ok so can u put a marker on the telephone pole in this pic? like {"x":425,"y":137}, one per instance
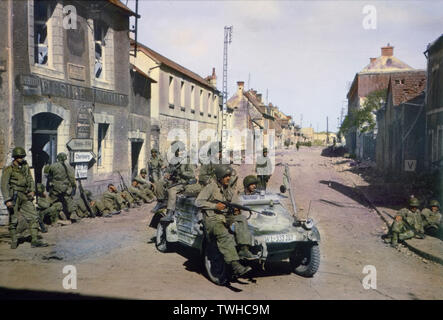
{"x":227,"y":41}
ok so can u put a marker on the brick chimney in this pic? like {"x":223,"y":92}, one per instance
{"x":371,"y":60}
{"x":240,"y":87}
{"x":213,"y":78}
{"x":387,"y":51}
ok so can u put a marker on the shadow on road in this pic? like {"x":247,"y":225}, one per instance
{"x":21,"y":294}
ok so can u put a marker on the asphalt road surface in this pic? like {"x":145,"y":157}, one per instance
{"x":114,"y":257}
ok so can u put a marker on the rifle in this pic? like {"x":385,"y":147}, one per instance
{"x":125,"y":187}
{"x":232,"y":206}
{"x":14,"y":203}
{"x":85,"y":199}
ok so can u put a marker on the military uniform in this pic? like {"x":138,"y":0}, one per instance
{"x":155,"y":166}
{"x":145,"y":187}
{"x":217,"y":223}
{"x":264,"y":170}
{"x":139,"y":195}
{"x":409,"y":226}
{"x":82,"y":209}
{"x":432,"y":220}
{"x":113,"y":202}
{"x":61,"y":182}
{"x":47,"y":207}
{"x":17,"y":185}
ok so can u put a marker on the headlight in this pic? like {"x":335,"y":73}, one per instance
{"x":308,"y":224}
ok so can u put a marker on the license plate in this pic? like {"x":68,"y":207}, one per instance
{"x":280,"y":238}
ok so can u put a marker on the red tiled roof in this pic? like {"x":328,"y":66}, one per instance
{"x":171,"y":64}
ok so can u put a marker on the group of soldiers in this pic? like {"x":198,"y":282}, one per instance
{"x":412,"y":222}
{"x":55,"y":202}
{"x":214,"y":190}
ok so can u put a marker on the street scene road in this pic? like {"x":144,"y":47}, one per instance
{"x":116,"y":258}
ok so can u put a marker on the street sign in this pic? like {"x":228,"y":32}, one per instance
{"x":81,"y":171}
{"x":82,"y":156}
{"x":80,"y":144}
{"x":410,"y":165}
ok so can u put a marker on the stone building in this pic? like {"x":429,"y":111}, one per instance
{"x":375,"y":76}
{"x":434,"y":107}
{"x":181,"y":100}
{"x":400,"y":138}
{"x":65,"y":74}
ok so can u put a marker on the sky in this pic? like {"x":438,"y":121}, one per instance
{"x":304,"y":53}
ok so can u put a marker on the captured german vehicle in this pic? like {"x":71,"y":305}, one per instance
{"x":277,"y":234}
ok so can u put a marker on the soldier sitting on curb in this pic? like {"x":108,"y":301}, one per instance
{"x":407,"y":224}
{"x":47,"y":207}
{"x":432,"y":218}
{"x":139,"y":195}
{"x":112,"y":201}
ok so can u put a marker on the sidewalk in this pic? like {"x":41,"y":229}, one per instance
{"x":384,"y":199}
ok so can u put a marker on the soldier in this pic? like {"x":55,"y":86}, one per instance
{"x":217,"y":220}
{"x":250,"y":185}
{"x":407,"y":224}
{"x":297,"y":145}
{"x":47,"y":207}
{"x":432,"y":218}
{"x":138,"y":194}
{"x":82,"y":209}
{"x":144,"y":185}
{"x":112,"y":201}
{"x":155,"y":166}
{"x":287,"y":143}
{"x":180,"y":178}
{"x":207,"y":171}
{"x":62,"y":186}
{"x":18,"y":191}
{"x":263,"y":169}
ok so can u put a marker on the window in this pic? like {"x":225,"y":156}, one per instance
{"x":192,"y":97}
{"x":201,"y":101}
{"x":99,"y":48}
{"x":182,"y":94}
{"x":42,"y":13}
{"x":171,"y":90}
{"x":209,"y":104}
{"x":102,"y":130}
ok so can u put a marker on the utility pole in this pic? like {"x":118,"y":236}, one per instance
{"x":327,"y":131}
{"x":227,"y":41}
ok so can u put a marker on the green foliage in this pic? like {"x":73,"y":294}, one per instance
{"x":363,"y":119}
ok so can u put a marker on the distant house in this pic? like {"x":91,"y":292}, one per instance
{"x":434,"y":107}
{"x":375,"y":76}
{"x":401,"y":125}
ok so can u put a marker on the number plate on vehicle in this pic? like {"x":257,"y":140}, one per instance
{"x":280,"y":238}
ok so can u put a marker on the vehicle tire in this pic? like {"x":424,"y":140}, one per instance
{"x":305,"y":260}
{"x":160,"y":240}
{"x":215,"y":266}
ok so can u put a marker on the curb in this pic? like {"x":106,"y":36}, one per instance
{"x":419,"y":252}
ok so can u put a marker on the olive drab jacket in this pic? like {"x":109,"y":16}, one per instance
{"x":155,"y":164}
{"x":61,"y":177}
{"x":413,"y":219}
{"x":16,"y":178}
{"x":181,"y":172}
{"x":264,"y":166}
{"x":430,"y":217}
{"x":211,"y":194}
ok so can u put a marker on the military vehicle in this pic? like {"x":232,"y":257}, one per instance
{"x":277,"y":234}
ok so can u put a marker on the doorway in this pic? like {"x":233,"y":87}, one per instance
{"x":44,"y":141}
{"x":136,"y":146}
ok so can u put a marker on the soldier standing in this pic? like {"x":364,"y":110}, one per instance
{"x":62,"y":186}
{"x":407,"y":223}
{"x":297,"y":145}
{"x":18,"y":190}
{"x":432,"y":218}
{"x":180,"y":178}
{"x":155,"y":166}
{"x":217,"y":220}
{"x":263,"y":169}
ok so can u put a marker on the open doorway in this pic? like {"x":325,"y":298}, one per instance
{"x":136,"y":146}
{"x":44,"y":141}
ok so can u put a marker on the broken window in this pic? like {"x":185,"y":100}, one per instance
{"x":99,"y":48}
{"x":42,"y":13}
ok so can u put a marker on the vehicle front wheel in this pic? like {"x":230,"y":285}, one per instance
{"x":160,"y":240}
{"x":305,"y":260}
{"x":215,"y":266}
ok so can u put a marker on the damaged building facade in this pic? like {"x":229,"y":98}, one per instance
{"x":65,"y":74}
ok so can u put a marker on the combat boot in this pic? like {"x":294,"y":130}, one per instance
{"x":394,"y":240}
{"x":245,"y":254}
{"x":35,"y":243}
{"x":42,"y":225}
{"x":169,"y":216}
{"x":238,"y":269}
{"x":14,"y":240}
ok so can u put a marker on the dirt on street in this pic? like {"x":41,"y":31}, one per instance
{"x":115,"y":257}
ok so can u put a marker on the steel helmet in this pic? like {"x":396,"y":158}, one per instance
{"x":248,"y":180}
{"x":413,"y":202}
{"x":18,"y":152}
{"x":143,"y":171}
{"x":434,"y":203}
{"x":222,"y":171}
{"x":62,"y":156}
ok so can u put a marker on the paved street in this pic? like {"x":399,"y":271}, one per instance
{"x":114,"y":259}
